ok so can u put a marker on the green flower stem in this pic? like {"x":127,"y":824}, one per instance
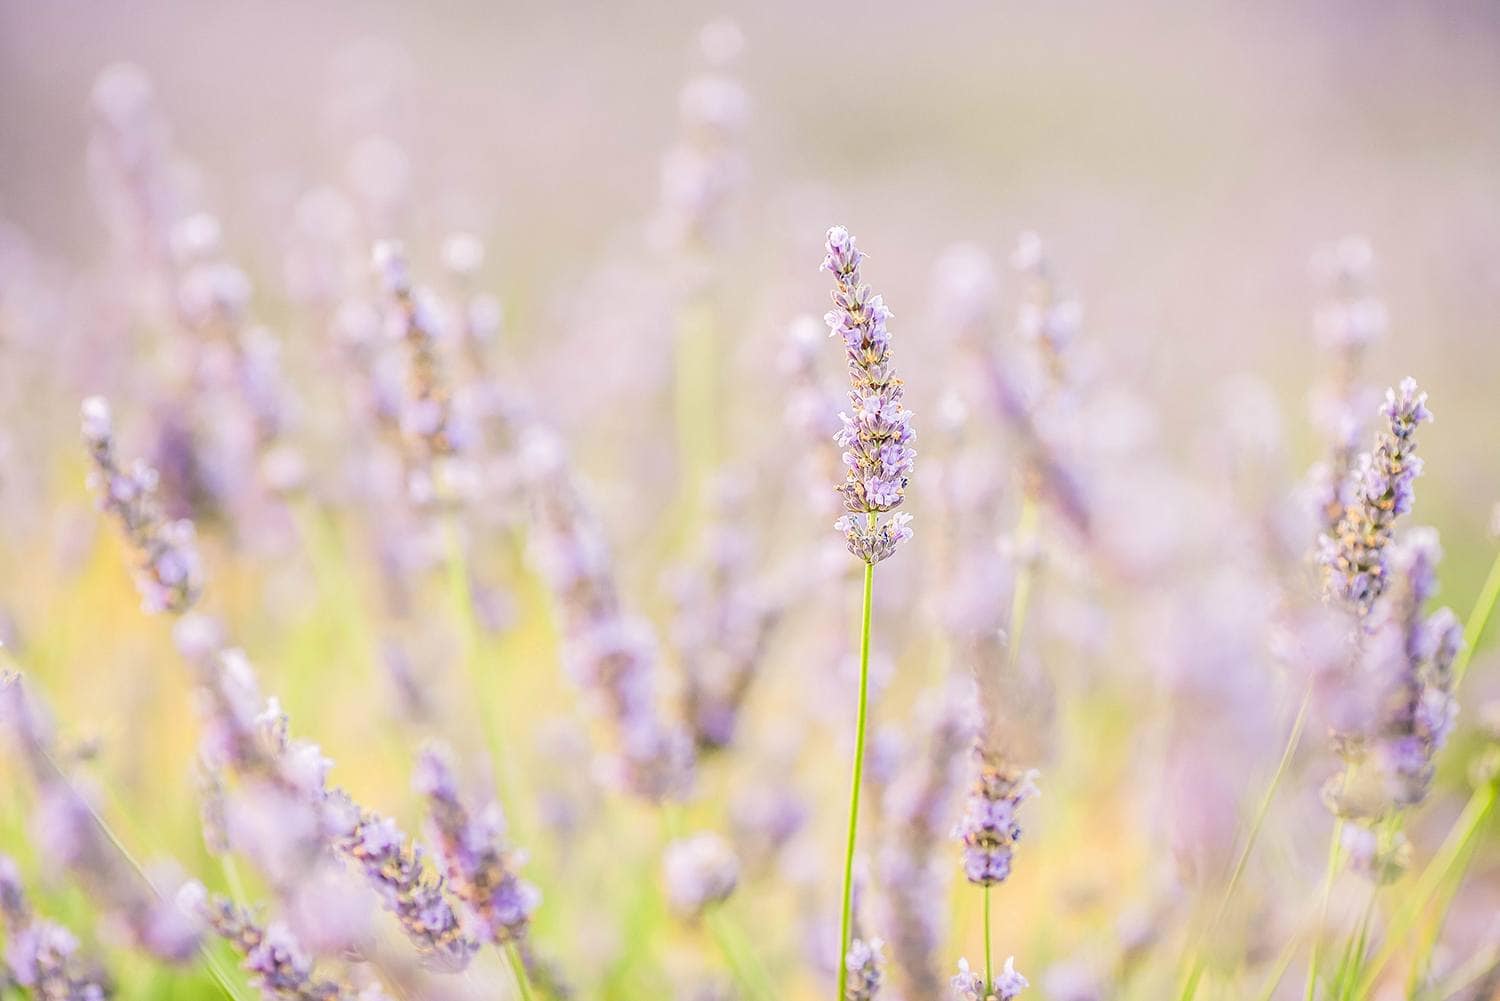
{"x":859,"y":768}
{"x":216,"y":970}
{"x":989,"y":969}
{"x":1489,"y":595}
{"x":1454,"y":847}
{"x":741,"y":956}
{"x":517,"y":966}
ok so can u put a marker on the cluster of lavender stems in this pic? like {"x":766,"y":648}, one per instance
{"x":255,"y":746}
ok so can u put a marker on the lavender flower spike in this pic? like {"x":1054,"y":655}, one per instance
{"x":1353,"y":557}
{"x":481,"y":871}
{"x":989,"y":830}
{"x":168,"y":573}
{"x":277,"y":964}
{"x":877,"y":436}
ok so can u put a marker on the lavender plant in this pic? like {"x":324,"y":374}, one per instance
{"x":878,"y":456}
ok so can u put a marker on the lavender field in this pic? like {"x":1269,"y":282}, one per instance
{"x":923,"y":502}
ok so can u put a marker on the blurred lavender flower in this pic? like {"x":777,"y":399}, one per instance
{"x":865,"y":967}
{"x":429,"y":422}
{"x":1047,"y":317}
{"x":722,"y":626}
{"x":1353,"y":556}
{"x":168,"y":573}
{"x":481,"y":871}
{"x":290,"y":775}
{"x":608,"y":652}
{"x":41,"y":956}
{"x":277,"y":964}
{"x":71,"y":836}
{"x":919,"y":805}
{"x":394,"y":868}
{"x":699,"y":871}
{"x":989,"y":829}
{"x":702,"y":172}
{"x":877,"y":436}
{"x":1348,"y":320}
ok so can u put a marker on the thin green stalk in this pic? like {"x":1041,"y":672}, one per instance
{"x":1354,"y":950}
{"x":1489,"y":595}
{"x":859,"y":769}
{"x":1335,"y":850}
{"x":215,"y":970}
{"x":733,"y":943}
{"x":1293,"y":739}
{"x":517,"y":966}
{"x":989,"y":970}
{"x":1454,"y":846}
{"x":1422,"y":965}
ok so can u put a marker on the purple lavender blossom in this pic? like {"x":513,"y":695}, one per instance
{"x":611,"y":654}
{"x":699,"y":871}
{"x":1414,"y":656}
{"x":481,"y":871}
{"x":864,"y":963}
{"x":278,"y":965}
{"x":989,"y":829}
{"x":168,"y":572}
{"x":1353,"y":557}
{"x":252,"y":739}
{"x":969,"y":986}
{"x":42,"y":956}
{"x":877,"y":435}
{"x":721,"y":628}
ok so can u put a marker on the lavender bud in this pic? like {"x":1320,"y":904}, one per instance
{"x":877,"y":436}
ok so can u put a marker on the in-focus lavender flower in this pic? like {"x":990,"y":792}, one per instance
{"x":1353,"y":557}
{"x":168,"y":571}
{"x":699,"y":871}
{"x":866,"y":969}
{"x":989,"y":829}
{"x":481,"y":870}
{"x":877,"y":436}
